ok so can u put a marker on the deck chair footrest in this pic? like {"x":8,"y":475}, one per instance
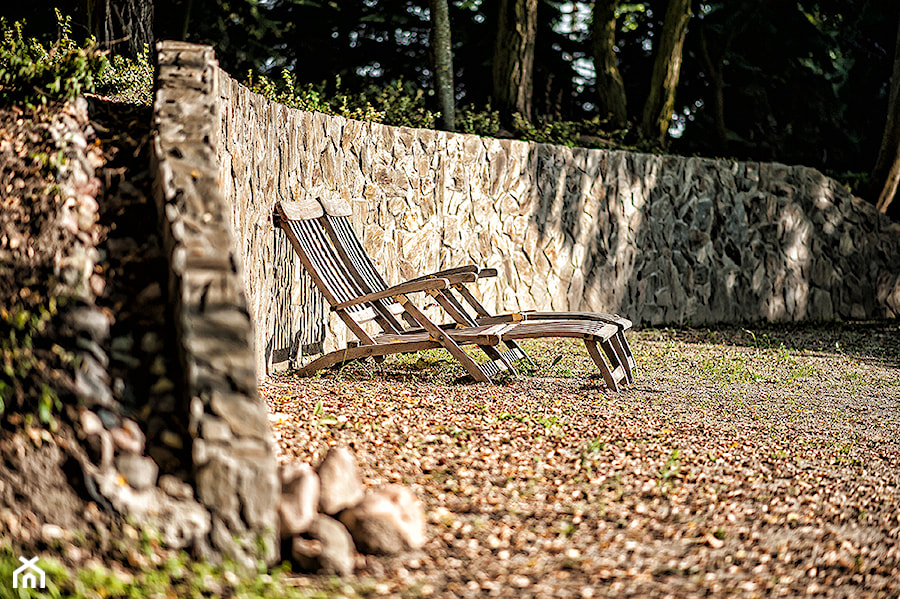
{"x":492,"y":369}
{"x":514,"y":355}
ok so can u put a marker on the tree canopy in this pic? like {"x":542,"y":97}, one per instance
{"x":804,"y":82}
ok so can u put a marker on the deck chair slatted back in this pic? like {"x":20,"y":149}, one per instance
{"x":363,"y":271}
{"x":325,"y":263}
{"x":325,"y":267}
{"x":357,"y":255}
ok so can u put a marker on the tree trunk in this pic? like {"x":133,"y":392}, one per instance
{"x":514,"y":58}
{"x":886,"y":174}
{"x":660,"y":104}
{"x":121,"y":26}
{"x":610,"y":86}
{"x":442,"y":61}
{"x":715,"y":68}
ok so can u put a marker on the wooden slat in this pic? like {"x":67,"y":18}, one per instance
{"x":361,"y":268}
{"x":450,"y":271}
{"x":515,"y":354}
{"x":598,"y":316}
{"x":301,"y":210}
{"x":559,"y":328}
{"x":397,"y":290}
{"x":349,"y":243}
{"x":336,"y":206}
{"x":323,"y":262}
{"x":294,"y":233}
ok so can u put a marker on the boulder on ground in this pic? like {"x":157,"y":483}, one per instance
{"x":299,"y":499}
{"x":341,"y":485}
{"x":388,"y":520}
{"x":325,"y":547}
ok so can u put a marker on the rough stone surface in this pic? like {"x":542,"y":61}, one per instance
{"x":325,"y":547}
{"x":299,"y":499}
{"x":232,"y":452}
{"x":182,"y":523}
{"x":138,"y":471}
{"x":388,"y":520}
{"x":661,"y":239}
{"x":128,"y":437}
{"x":341,"y":485}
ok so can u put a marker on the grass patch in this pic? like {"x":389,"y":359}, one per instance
{"x":177,"y":577}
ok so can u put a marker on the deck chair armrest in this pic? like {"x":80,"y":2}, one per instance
{"x":471,"y":268}
{"x":401,"y":289}
{"x":458,"y":275}
{"x":463,"y":277}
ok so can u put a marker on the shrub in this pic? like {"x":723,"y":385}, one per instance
{"x":311,"y":97}
{"x":398,"y":103}
{"x":128,"y":80}
{"x":33,"y":75}
{"x":478,"y":122}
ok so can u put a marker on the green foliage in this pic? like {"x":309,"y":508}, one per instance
{"x":128,"y":80}
{"x":593,"y":133}
{"x":398,"y":103}
{"x":177,"y":577}
{"x":23,"y":362}
{"x":671,"y":468}
{"x":311,"y":97}
{"x":33,"y":74}
{"x":478,"y":122}
{"x":402,"y":103}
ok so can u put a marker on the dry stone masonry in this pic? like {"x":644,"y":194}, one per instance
{"x":661,"y":239}
{"x":235,"y":472}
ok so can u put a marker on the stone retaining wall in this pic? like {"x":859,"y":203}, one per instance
{"x":660,"y":239}
{"x":235,"y":472}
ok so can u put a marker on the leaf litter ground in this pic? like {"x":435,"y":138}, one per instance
{"x":757,"y":462}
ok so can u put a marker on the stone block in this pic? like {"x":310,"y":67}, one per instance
{"x":246,"y":416}
{"x":325,"y":547}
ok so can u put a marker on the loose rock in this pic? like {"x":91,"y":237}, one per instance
{"x":140,"y":472}
{"x":299,"y":499}
{"x":327,"y":548}
{"x":341,"y":485}
{"x":387,"y":521}
{"x":128,"y":437}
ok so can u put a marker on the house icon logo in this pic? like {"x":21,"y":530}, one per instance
{"x":28,"y":575}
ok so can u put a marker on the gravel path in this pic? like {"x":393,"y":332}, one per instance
{"x":756,"y":462}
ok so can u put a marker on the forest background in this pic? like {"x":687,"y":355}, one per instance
{"x":811,"y":82}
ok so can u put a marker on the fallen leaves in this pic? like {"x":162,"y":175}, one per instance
{"x":550,"y":486}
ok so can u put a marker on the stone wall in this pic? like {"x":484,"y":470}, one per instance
{"x":235,"y":473}
{"x":660,"y":239}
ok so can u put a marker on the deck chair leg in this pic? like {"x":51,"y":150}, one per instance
{"x":456,"y":311}
{"x":331,"y":359}
{"x":616,"y":355}
{"x":445,"y":340}
{"x":626,"y":349}
{"x":602,"y":364}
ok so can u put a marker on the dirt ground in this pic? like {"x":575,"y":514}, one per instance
{"x":748,"y":462}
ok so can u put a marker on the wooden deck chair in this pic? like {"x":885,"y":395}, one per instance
{"x":337,"y":223}
{"x":303,"y":223}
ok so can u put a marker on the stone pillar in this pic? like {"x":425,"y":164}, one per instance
{"x":232,"y":449}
